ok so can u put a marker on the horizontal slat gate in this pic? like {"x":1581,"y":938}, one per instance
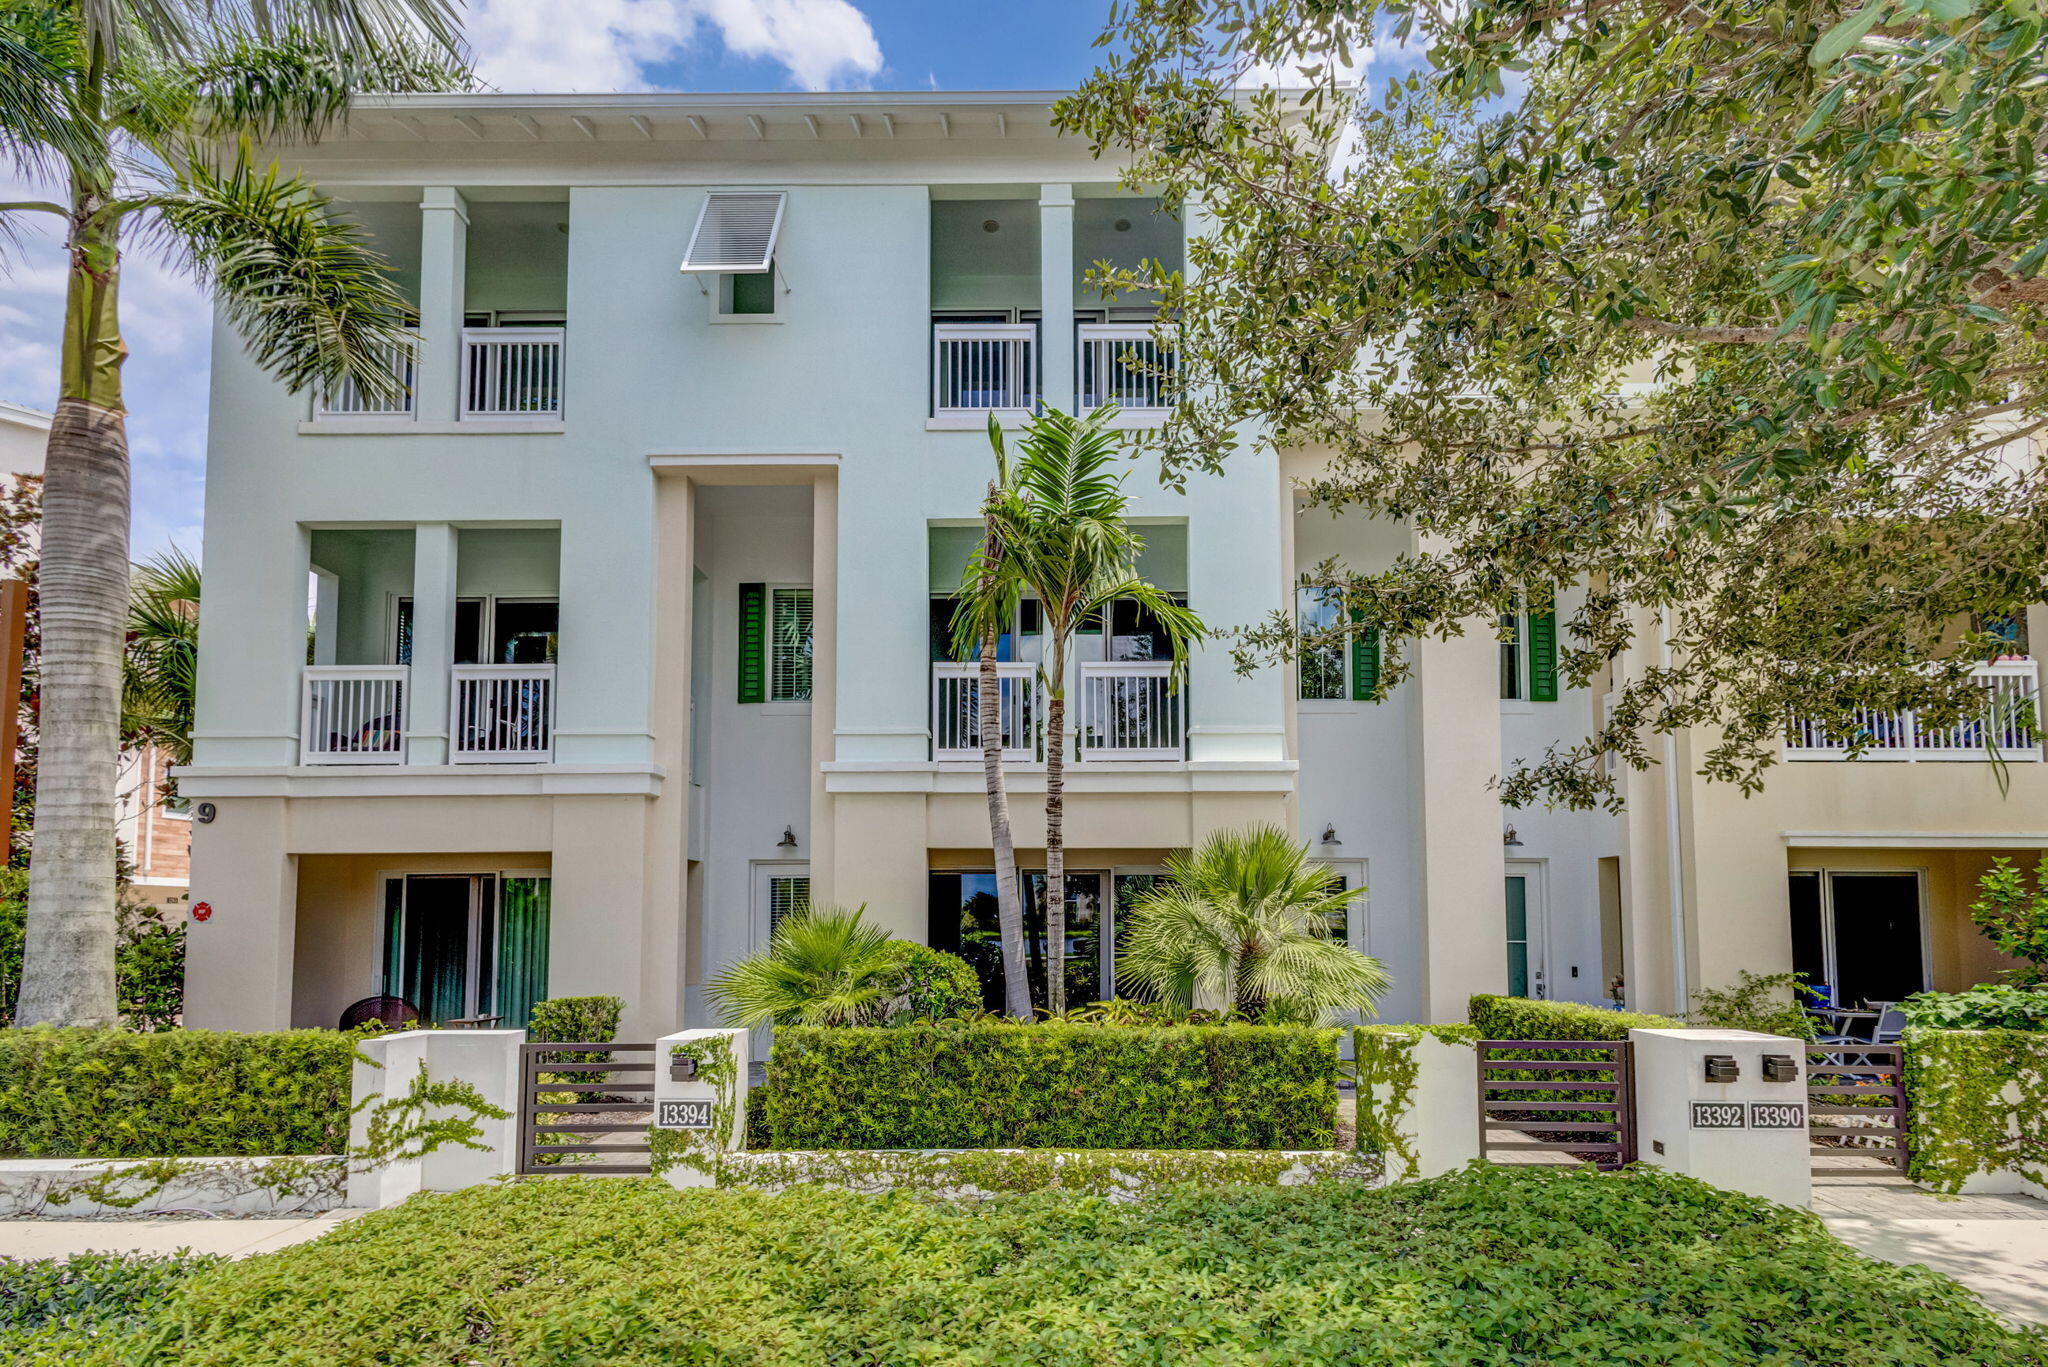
{"x":1545,"y":1101}
{"x":584,"y":1109}
{"x":1856,"y":1108}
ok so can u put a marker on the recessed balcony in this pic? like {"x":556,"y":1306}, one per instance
{"x":360,"y":714}
{"x":1131,"y":365}
{"x":1126,"y":710}
{"x":2008,"y":726}
{"x":984,"y":368}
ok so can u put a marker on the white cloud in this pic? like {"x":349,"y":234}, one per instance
{"x":610,"y":44}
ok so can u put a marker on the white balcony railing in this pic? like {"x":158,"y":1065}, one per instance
{"x":502,"y":714}
{"x":1126,"y":364}
{"x":346,"y":400}
{"x":512,"y":373}
{"x":979,"y":367}
{"x":2011,"y":694}
{"x":353,"y":714}
{"x":1129,"y":710}
{"x":956,"y":717}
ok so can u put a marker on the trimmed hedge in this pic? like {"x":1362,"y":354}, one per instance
{"x":1527,"y":1018}
{"x":975,"y":1085}
{"x":179,"y":1093}
{"x":1491,"y":1265}
{"x":575,"y":1020}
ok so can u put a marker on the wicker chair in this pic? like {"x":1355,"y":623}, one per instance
{"x":386,"y":1010}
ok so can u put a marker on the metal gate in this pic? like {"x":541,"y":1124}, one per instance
{"x":1559,"y":1101}
{"x":585,"y":1108}
{"x":1856,"y":1109}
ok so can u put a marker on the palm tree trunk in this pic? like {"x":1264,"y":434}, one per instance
{"x":1009,"y":901}
{"x":68,"y":965}
{"x":1055,"y":834}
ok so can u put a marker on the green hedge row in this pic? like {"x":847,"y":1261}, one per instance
{"x":1980,"y":1104}
{"x":971,"y":1086}
{"x":179,"y":1093}
{"x":1526,"y":1018}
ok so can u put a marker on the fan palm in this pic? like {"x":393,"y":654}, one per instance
{"x":139,"y":114}
{"x":1058,"y":532}
{"x":160,"y":675}
{"x":823,"y":966}
{"x":1244,"y":920}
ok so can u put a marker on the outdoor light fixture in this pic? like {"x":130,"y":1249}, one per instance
{"x":1330,"y":834}
{"x":1509,"y":838}
{"x":682,"y":1068}
{"x":1780,"y":1068}
{"x":788,"y":841}
{"x":1721,"y":1068}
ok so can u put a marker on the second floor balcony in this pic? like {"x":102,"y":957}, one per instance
{"x":986,"y":367}
{"x":361,"y":714}
{"x":508,"y":374}
{"x":1119,"y":710}
{"x":2007,"y":728}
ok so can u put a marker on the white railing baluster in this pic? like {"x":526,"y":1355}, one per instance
{"x":1128,"y":364}
{"x":353,"y":714}
{"x":512,"y":372}
{"x":2011,"y":691}
{"x":956,"y":719}
{"x":345,"y":400}
{"x":502,"y":714}
{"x":980,"y":367}
{"x":1129,"y":710}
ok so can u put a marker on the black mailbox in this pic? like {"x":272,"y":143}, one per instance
{"x":1780,"y":1068}
{"x":1721,"y":1068}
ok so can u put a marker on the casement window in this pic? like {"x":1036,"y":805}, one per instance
{"x":1333,"y":671}
{"x":1528,"y":656}
{"x":735,"y":239}
{"x":775,"y":643}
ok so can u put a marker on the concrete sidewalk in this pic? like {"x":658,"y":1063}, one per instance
{"x":233,"y":1238}
{"x":1995,"y":1245}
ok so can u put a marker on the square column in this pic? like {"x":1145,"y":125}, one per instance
{"x":444,"y":265}
{"x":433,"y":642}
{"x":239,"y":960}
{"x":1056,"y":294}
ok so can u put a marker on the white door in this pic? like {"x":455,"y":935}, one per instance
{"x":1528,"y":930}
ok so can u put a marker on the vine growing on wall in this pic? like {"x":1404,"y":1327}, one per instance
{"x":1385,"y":1069}
{"x":405,"y":1127}
{"x":1979,"y":1105}
{"x":703,"y":1151}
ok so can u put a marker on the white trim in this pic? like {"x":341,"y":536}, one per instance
{"x":1916,"y":840}
{"x":1535,"y":876}
{"x":407,"y":427}
{"x":422,"y":780}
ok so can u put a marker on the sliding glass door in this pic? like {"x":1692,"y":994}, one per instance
{"x":1860,"y":935}
{"x":467,"y":944}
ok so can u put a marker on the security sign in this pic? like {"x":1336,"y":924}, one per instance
{"x":202,"y":910}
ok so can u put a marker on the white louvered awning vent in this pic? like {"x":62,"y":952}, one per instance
{"x":735,"y":232}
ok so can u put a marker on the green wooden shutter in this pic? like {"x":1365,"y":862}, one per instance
{"x":1543,"y":656}
{"x":1365,"y":663}
{"x":753,"y":643}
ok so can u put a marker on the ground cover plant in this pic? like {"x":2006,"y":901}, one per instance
{"x":1490,"y":1265}
{"x":58,"y":1306}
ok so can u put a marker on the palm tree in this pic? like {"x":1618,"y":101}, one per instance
{"x":1059,"y":534}
{"x":988,"y":603}
{"x":823,"y":966}
{"x":140,"y":114}
{"x":1244,"y":921}
{"x":160,"y":674}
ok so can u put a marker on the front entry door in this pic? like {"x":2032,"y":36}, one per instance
{"x":1525,"y":932}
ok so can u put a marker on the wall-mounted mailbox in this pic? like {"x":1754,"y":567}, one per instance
{"x":1722,"y":1068}
{"x":1780,"y":1068}
{"x":682,"y":1068}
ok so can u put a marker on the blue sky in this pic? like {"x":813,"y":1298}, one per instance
{"x":590,"y":45}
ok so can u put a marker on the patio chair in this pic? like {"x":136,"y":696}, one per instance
{"x":385,"y":1010}
{"x":1891,"y":1024}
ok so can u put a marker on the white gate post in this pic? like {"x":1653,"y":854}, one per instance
{"x":487,"y":1060}
{"x":1746,"y":1132}
{"x":700,"y":1103}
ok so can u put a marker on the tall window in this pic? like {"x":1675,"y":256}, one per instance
{"x":1528,"y":654}
{"x":1513,"y":679}
{"x":789,"y":645}
{"x":1323,"y":663}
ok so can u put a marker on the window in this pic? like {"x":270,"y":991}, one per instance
{"x":1511,"y":672}
{"x":1321,"y":662}
{"x":1528,"y":655}
{"x":751,"y":295}
{"x":736,"y":233}
{"x":789,"y":646}
{"x":786,"y":893}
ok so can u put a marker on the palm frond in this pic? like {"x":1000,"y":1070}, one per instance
{"x":313,"y":301}
{"x":184,"y":27}
{"x":40,"y":61}
{"x":160,"y":669}
{"x":823,"y":966}
{"x":299,"y":82}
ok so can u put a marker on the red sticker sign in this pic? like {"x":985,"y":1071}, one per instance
{"x":201,"y":910}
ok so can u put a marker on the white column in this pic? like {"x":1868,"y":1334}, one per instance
{"x":326,"y":614}
{"x":1748,"y":1134}
{"x":1056,"y":294}
{"x":444,"y":245}
{"x":240,"y":960}
{"x":691,"y":1106}
{"x":487,"y":1060}
{"x":433,"y":642}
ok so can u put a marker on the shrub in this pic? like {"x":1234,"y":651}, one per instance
{"x":59,"y":1305}
{"x":933,"y":985}
{"x":1768,"y":1003}
{"x":2014,"y":917}
{"x":966,"y":1086}
{"x":1979,"y":1104}
{"x":149,"y":958}
{"x":179,"y":1093}
{"x":822,"y":966}
{"x":575,"y":1020}
{"x":1527,"y":1018}
{"x":1988,"y":1006}
{"x":1490,"y":1265}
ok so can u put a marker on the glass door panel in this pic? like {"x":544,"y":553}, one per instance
{"x":1518,"y":935}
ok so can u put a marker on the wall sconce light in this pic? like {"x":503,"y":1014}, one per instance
{"x":1780,"y":1068}
{"x":682,"y":1068}
{"x":1721,"y":1068}
{"x":1330,"y":834}
{"x":1510,"y":839}
{"x":788,"y":841}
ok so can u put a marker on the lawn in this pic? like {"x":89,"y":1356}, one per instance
{"x":1488,"y":1266}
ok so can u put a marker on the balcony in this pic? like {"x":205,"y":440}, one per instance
{"x":2011,"y":694}
{"x":347,"y":401}
{"x":1128,"y":710}
{"x":983,"y":367}
{"x":1126,"y":364}
{"x":360,"y":714}
{"x":512,"y":373}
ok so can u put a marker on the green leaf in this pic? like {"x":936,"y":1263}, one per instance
{"x":1836,"y":42}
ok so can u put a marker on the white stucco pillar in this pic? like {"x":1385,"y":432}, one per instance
{"x":433,"y":642}
{"x":1056,"y":294}
{"x":444,"y":244}
{"x":245,"y":883}
{"x":1747,"y":1133}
